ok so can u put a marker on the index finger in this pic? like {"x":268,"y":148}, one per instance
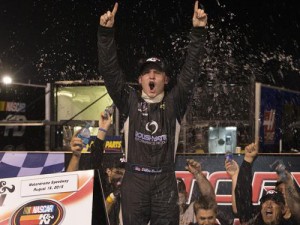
{"x":115,"y":9}
{"x":196,"y":6}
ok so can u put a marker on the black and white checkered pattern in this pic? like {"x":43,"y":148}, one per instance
{"x":17,"y":164}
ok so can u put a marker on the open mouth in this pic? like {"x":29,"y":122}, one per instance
{"x":269,"y":213}
{"x":151,"y":85}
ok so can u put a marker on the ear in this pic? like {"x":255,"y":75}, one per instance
{"x":140,"y":79}
{"x":167,"y":79}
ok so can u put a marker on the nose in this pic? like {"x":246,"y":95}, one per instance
{"x":152,"y":75}
{"x":206,"y":222}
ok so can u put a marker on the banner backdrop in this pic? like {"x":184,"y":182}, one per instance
{"x":56,"y":199}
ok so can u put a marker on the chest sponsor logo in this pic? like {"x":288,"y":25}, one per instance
{"x":150,"y":139}
{"x":152,"y":127}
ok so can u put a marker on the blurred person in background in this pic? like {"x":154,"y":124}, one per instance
{"x":186,"y":211}
{"x":112,"y":191}
{"x":112,"y":173}
{"x":291,"y":196}
{"x":272,"y":204}
{"x":205,"y":207}
{"x":97,"y":146}
{"x":205,"y":210}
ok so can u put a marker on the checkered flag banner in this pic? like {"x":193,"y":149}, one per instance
{"x":13,"y":164}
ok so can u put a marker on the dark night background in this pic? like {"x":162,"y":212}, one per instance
{"x":45,"y":41}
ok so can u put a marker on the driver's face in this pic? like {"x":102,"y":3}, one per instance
{"x":153,"y":82}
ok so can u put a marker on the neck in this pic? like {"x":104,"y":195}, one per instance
{"x":156,"y":99}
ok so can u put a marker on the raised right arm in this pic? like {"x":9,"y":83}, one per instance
{"x":108,"y":63}
{"x":204,"y":185}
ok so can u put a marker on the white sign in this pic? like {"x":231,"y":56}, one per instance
{"x":54,"y":199}
{"x":49,"y":185}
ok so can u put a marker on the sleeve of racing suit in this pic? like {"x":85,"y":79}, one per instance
{"x":109,"y":68}
{"x":190,"y":70}
{"x":243,"y":193}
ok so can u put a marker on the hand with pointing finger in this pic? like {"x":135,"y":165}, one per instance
{"x":193,"y":166}
{"x":251,"y":152}
{"x":108,"y":18}
{"x":199,"y":16}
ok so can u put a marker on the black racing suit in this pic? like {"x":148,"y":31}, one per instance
{"x":151,"y":132}
{"x":249,"y":214}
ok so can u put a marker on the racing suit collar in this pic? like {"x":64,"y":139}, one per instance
{"x":156,"y":99}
